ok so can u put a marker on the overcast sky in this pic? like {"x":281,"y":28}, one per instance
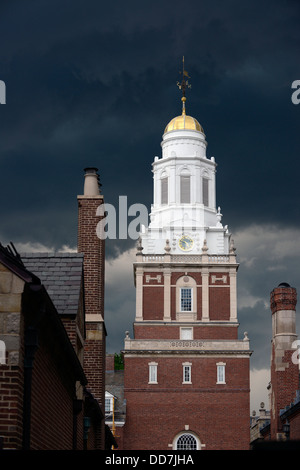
{"x":91,"y":83}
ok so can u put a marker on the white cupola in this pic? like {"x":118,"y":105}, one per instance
{"x":184,"y":192}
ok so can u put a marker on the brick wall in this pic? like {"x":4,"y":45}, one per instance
{"x":11,"y":373}
{"x":153,"y":303}
{"x":219,"y":303}
{"x":284,"y":385}
{"x":218,"y":414}
{"x":93,"y":249}
{"x":53,"y":384}
{"x":295,"y":426}
{"x":284,"y":373}
{"x":219,"y":295}
{"x":173,"y":332}
{"x":52,"y":404}
{"x":110,"y":362}
{"x":169,"y":373}
{"x":11,"y":405}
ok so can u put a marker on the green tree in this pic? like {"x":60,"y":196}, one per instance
{"x":119,"y":364}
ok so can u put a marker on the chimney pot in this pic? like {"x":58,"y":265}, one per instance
{"x":91,"y":182}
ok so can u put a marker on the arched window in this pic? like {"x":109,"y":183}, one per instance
{"x":187,"y":441}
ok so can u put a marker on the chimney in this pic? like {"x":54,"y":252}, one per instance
{"x":284,"y":372}
{"x":93,"y":249}
{"x":91,"y":182}
{"x":90,"y":244}
{"x":110,"y":362}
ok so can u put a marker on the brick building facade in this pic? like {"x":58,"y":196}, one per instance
{"x":283,"y":428}
{"x":186,"y":377}
{"x":93,"y":249}
{"x":42,"y":377}
{"x":52,"y":341}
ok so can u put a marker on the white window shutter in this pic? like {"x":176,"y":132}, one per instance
{"x":185,"y":189}
{"x":205,"y":192}
{"x":164,"y":191}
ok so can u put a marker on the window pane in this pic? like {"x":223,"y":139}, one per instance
{"x":221,"y":374}
{"x":152,"y":373}
{"x":164,"y":191}
{"x":186,"y":442}
{"x":205,"y":191}
{"x":107,"y":405}
{"x":186,"y":373}
{"x":185,"y":192}
{"x":186,"y":299}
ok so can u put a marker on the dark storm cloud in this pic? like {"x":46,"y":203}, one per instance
{"x":94,"y":84}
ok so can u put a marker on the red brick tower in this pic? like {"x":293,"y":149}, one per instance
{"x":284,"y":371}
{"x":186,"y":372}
{"x":93,"y":249}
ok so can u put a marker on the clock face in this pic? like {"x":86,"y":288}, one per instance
{"x":186,"y":243}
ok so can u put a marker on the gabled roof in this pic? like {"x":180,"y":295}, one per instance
{"x":11,"y":259}
{"x":61,"y":274}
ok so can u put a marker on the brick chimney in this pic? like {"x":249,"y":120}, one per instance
{"x":93,"y":249}
{"x":284,"y":373}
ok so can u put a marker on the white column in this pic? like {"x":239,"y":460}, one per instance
{"x":172,"y":185}
{"x":213,"y":189}
{"x":198,"y":184}
{"x":205,"y":295}
{"x":167,"y":295}
{"x":139,"y":294}
{"x":233,"y":296}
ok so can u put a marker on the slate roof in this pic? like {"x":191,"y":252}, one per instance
{"x":61,"y":274}
{"x":10,"y":258}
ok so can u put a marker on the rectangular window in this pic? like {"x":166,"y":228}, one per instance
{"x":205,"y":191}
{"x":186,"y":333}
{"x":221,"y":373}
{"x":186,"y":299}
{"x":187,"y":373}
{"x":2,"y":352}
{"x":164,"y":191}
{"x":185,"y":190}
{"x":153,"y":373}
{"x":108,"y":405}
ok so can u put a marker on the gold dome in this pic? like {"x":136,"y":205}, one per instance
{"x":184,"y":122}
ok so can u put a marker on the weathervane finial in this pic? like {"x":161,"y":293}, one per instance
{"x":183,"y":85}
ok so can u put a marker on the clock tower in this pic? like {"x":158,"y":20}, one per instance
{"x":186,"y":378}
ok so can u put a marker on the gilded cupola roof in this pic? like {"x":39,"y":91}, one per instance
{"x":184,"y":122}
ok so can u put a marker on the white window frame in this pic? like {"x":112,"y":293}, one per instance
{"x":190,"y":283}
{"x":184,"y":330}
{"x":181,"y":292}
{"x":152,"y":372}
{"x":186,"y":368}
{"x":221,"y":373}
{"x":110,"y":397}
